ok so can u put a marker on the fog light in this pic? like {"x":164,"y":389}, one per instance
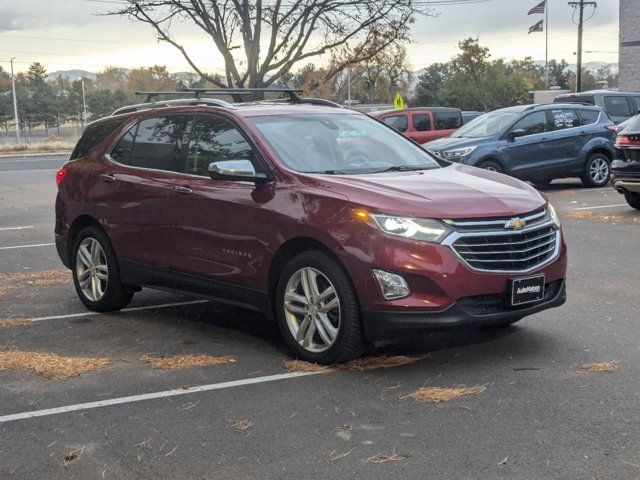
{"x":391,"y":285}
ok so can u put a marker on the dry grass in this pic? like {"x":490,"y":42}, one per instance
{"x":47,"y":278}
{"x":175,"y":362}
{"x":371,"y":363}
{"x":382,"y":458}
{"x":50,"y":144}
{"x":13,"y":322}
{"x":241,"y":425}
{"x":439,"y":394}
{"x":300,"y":366}
{"x":599,"y":217}
{"x":49,"y":365}
{"x":608,"y":367}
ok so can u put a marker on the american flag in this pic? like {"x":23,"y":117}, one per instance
{"x":537,"y":27}
{"x":538,"y":8}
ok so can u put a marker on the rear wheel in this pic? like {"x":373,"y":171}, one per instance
{"x":95,"y":272}
{"x":491,"y":166}
{"x":596,"y":171}
{"x":633,"y":199}
{"x":318,"y":310}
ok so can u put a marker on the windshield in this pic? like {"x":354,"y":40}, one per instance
{"x":340,"y":144}
{"x":486,"y":125}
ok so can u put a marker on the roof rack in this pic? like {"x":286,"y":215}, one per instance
{"x":238,"y":95}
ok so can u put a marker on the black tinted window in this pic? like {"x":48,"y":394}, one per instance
{"x":421,"y":122}
{"x":563,"y":118}
{"x":158,"y":143}
{"x":590,"y":99}
{"x":214,"y":139}
{"x":636,"y":103}
{"x":447,"y":120}
{"x":617,"y":106}
{"x":92,"y":136}
{"x":399,"y":122}
{"x":533,"y":123}
{"x":589,"y":116}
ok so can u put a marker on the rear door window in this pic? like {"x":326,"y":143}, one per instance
{"x":399,"y":122}
{"x":421,"y":122}
{"x":215,"y":139}
{"x":156,"y":144}
{"x":447,"y":120}
{"x":617,"y":106}
{"x":562,"y":119}
{"x":92,"y":136}
{"x":533,"y":123}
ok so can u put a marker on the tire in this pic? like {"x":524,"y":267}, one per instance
{"x":633,"y":199}
{"x":491,"y":166}
{"x":541,"y":183}
{"x":596,"y":171}
{"x":304,"y":314}
{"x":94,"y":261}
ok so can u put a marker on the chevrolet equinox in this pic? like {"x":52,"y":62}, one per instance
{"x":320,"y":217}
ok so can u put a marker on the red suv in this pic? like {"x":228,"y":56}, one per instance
{"x":322,"y":218}
{"x":423,"y":124}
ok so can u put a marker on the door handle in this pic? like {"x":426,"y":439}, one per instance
{"x":107,"y":177}
{"x":181,"y":189}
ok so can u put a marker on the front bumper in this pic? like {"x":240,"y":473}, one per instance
{"x":467,"y":312}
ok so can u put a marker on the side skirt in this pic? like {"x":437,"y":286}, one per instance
{"x":137,"y":274}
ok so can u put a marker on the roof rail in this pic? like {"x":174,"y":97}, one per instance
{"x":214,"y":102}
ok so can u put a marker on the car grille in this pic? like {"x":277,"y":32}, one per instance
{"x":506,"y":251}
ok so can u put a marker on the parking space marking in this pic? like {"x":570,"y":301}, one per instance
{"x":154,"y":395}
{"x":16,"y":228}
{"x":12,"y":247}
{"x":130,"y":309}
{"x":603,"y":206}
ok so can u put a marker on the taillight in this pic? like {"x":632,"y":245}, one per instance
{"x":628,"y":140}
{"x":60,"y":174}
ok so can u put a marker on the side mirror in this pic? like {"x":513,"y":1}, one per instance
{"x":518,"y":132}
{"x":236,"y":171}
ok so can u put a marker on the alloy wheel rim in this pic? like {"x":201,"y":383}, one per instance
{"x":599,"y":170}
{"x":491,"y":169}
{"x":312,"y":310}
{"x":91,"y":269}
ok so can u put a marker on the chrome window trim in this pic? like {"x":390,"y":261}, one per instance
{"x":454,"y":236}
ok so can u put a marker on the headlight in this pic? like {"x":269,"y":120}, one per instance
{"x":423,"y":229}
{"x":554,"y":216}
{"x":457,"y":153}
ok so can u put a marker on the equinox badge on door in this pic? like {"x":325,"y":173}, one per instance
{"x":515,"y":223}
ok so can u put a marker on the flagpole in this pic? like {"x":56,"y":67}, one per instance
{"x":546,"y":54}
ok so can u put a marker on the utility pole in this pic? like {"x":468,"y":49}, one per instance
{"x":580,"y":6}
{"x":15,"y":102}
{"x":84,"y":104}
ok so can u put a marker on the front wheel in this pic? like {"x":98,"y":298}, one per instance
{"x":491,"y":166}
{"x":596,"y":171}
{"x":96,"y":275}
{"x":633,"y":199}
{"x":318,"y":310}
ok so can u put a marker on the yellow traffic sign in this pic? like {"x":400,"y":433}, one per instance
{"x":398,"y":103}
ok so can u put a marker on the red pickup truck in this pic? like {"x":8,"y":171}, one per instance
{"x":423,"y":124}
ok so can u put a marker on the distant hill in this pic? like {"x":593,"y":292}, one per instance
{"x":71,"y":75}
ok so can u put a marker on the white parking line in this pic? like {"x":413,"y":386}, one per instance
{"x":602,"y":206}
{"x":154,"y":395}
{"x":16,"y":228}
{"x":130,"y":309}
{"x":27,"y":246}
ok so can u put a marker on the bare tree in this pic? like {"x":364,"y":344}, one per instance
{"x":276,"y":35}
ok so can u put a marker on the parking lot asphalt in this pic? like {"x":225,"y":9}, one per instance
{"x":539,"y":416}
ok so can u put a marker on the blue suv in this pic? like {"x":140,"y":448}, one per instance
{"x":536,"y":143}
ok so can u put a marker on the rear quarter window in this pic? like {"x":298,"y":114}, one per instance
{"x":447,"y":120}
{"x":589,"y":116}
{"x":92,"y":136}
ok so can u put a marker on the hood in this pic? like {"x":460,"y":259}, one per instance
{"x":455,"y":191}
{"x":449,"y":143}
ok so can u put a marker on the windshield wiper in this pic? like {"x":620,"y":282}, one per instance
{"x":330,"y":172}
{"x":404,"y":168}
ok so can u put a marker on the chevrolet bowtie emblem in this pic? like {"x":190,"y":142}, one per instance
{"x":514,"y":224}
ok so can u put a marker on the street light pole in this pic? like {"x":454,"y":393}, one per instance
{"x":84,"y":104}
{"x":15,"y":102}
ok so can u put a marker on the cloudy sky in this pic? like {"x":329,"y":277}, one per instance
{"x":70,"y":34}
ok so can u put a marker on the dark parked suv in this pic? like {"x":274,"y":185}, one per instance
{"x":323,"y":218}
{"x":536,"y":143}
{"x":625,"y":170}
